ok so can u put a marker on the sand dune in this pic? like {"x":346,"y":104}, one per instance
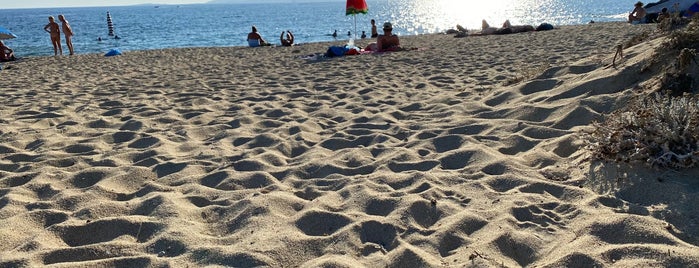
{"x":465,"y":152}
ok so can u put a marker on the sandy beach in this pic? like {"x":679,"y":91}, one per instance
{"x":464,"y":152}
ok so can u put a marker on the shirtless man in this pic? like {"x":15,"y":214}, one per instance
{"x":67,"y":31}
{"x":638,"y":15}
{"x":53,"y":29}
{"x":374,"y":33}
{"x":387,"y":41}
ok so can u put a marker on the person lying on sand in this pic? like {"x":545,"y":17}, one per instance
{"x":507,"y":28}
{"x":486,"y":29}
{"x":517,"y":28}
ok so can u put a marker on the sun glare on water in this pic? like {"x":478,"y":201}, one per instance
{"x":436,"y":15}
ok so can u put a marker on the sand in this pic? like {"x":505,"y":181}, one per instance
{"x":465,"y":152}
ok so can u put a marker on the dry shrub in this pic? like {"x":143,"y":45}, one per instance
{"x":674,"y":22}
{"x":688,"y":37}
{"x":685,"y":42}
{"x":659,"y":130}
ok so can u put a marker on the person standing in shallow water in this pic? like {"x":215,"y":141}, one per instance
{"x":54,"y":30}
{"x":68,"y":32}
{"x":374,"y":32}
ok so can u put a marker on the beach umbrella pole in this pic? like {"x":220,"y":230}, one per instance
{"x":353,"y":7}
{"x":354,"y":34}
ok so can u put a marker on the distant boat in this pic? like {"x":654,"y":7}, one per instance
{"x":157,"y":6}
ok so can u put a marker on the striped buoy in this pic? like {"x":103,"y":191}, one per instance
{"x":109,"y":24}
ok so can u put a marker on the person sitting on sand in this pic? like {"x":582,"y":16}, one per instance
{"x":6,"y":53}
{"x":288,"y":41}
{"x":638,"y":15}
{"x":255,"y":39}
{"x":387,"y":41}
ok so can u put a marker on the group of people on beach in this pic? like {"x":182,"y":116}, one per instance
{"x":55,"y":31}
{"x":385,"y":42}
{"x":639,"y":15}
{"x":255,"y":39}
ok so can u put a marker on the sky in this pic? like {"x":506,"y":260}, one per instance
{"x":89,"y":3}
{"x":92,"y":3}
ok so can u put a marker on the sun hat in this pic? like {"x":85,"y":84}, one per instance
{"x":388,"y":26}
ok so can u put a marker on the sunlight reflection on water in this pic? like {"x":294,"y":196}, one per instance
{"x":437,"y":15}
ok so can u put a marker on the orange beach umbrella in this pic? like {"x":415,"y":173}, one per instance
{"x":355,"y":7}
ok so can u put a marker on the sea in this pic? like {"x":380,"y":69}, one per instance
{"x":145,"y":27}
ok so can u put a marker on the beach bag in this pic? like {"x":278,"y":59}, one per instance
{"x":113,"y":52}
{"x":336,"y":51}
{"x":544,"y":27}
